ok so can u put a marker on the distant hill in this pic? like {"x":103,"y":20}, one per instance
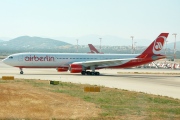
{"x":171,"y":45}
{"x":31,"y":43}
{"x":1,"y":40}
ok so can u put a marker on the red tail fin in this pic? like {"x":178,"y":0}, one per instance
{"x":93,"y":49}
{"x":156,"y":46}
{"x":155,"y":49}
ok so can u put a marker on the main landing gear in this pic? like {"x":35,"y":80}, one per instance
{"x":89,"y":73}
{"x":93,"y":72}
{"x":21,"y":71}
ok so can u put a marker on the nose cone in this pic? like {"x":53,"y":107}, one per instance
{"x":5,"y":61}
{"x":10,"y":60}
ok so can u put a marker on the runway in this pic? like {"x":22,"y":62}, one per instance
{"x":165,"y":83}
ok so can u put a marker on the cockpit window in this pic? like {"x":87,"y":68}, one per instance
{"x":11,"y":57}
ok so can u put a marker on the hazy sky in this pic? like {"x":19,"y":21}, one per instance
{"x":144,"y":19}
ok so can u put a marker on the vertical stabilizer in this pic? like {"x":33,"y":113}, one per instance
{"x":156,"y":46}
{"x":93,"y":49}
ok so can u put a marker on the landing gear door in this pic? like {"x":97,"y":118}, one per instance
{"x":20,"y":58}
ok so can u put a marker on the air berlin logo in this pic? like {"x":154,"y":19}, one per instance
{"x":158,"y":45}
{"x":36,"y":58}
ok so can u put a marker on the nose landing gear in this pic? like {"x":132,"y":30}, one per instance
{"x":21,"y":71}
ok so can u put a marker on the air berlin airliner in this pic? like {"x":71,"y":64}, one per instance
{"x":84,"y":63}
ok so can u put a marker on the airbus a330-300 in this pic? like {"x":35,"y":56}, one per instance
{"x":84,"y":63}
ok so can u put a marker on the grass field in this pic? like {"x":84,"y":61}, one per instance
{"x":114,"y":103}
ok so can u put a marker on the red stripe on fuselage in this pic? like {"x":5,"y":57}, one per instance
{"x":37,"y":66}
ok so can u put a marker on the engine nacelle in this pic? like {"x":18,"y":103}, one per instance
{"x":62,"y":69}
{"x":75,"y":68}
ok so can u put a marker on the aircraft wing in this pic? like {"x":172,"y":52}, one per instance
{"x":103,"y":63}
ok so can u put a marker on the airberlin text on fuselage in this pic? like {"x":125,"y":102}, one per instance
{"x":36,"y":58}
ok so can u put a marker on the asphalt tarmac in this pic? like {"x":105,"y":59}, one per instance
{"x":165,"y":82}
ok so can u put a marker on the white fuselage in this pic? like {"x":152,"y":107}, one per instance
{"x":55,"y":60}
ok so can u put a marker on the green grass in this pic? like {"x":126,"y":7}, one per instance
{"x":3,"y":81}
{"x":119,"y":104}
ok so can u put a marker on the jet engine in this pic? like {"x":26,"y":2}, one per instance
{"x":62,"y":69}
{"x":75,"y":68}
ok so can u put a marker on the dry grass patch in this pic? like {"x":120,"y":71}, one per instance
{"x":21,"y":100}
{"x":67,"y":101}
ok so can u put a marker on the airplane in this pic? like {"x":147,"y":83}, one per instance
{"x":93,"y":49}
{"x":83,"y":62}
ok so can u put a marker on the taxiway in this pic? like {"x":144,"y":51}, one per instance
{"x":166,"y":82}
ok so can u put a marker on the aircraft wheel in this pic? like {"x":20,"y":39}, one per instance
{"x":88,"y":72}
{"x":83,"y":72}
{"x":21,"y":72}
{"x":97,"y":73}
{"x":92,"y":73}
